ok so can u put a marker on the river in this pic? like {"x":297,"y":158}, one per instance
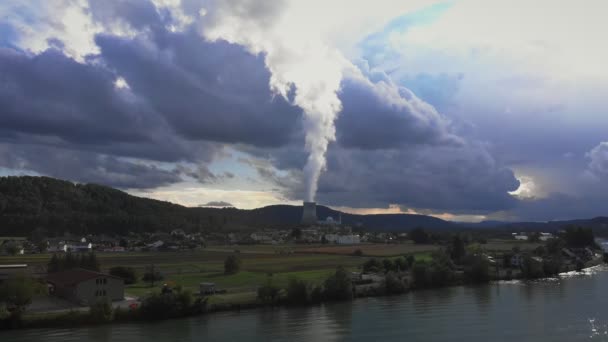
{"x":572,"y":308}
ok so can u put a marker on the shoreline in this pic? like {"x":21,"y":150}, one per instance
{"x":78,"y":318}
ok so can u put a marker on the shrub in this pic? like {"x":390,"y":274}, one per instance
{"x":101,"y":312}
{"x":388,"y":265}
{"x":477,"y":269}
{"x":297,"y":292}
{"x":232,"y":264}
{"x":372,"y":265}
{"x":394,"y":284}
{"x":268,"y":293}
{"x":316,"y":295}
{"x":166,"y":305}
{"x":128,"y":274}
{"x":158,"y":306}
{"x":338,"y":286}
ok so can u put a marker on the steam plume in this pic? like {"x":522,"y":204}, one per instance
{"x":297,"y":60}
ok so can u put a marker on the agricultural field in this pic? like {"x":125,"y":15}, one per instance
{"x":373,"y":250}
{"x":260,"y":264}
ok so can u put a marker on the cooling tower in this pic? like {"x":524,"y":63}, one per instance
{"x":309,"y":213}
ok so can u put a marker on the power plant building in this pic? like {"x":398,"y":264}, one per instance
{"x":309,"y":213}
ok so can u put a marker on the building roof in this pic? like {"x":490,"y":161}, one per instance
{"x":75,"y":276}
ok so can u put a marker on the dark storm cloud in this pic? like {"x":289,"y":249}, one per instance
{"x":382,"y":115}
{"x":187,"y":97}
{"x":450,"y":178}
{"x":208,"y":91}
{"x":85,"y":167}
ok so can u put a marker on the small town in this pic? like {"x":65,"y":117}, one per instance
{"x":125,"y":277}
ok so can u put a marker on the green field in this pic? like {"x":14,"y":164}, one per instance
{"x":259,"y":263}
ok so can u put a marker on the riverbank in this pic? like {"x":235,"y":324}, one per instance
{"x":202,"y":307}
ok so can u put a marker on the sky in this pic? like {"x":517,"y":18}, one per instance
{"x":466,"y":110}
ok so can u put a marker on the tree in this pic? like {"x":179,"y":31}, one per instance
{"x":151,"y":275}
{"x":128,"y":274}
{"x":17,"y":292}
{"x":12,"y":248}
{"x":410,"y":259}
{"x":372,"y":265}
{"x":401,"y":264}
{"x":101,"y":312}
{"x":419,"y":236}
{"x":457,"y":250}
{"x":232,"y":264}
{"x":534,"y":237}
{"x":579,"y":237}
{"x":338,"y":286}
{"x":393,"y":284}
{"x":297,"y":292}
{"x":477,"y":268}
{"x":296,"y":233}
{"x":388,"y":265}
{"x":421,"y":274}
{"x":268,"y":293}
{"x":54,"y":264}
{"x":89,"y":262}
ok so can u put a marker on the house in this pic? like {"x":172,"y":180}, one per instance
{"x":86,"y":287}
{"x":81,"y":247}
{"x":520,"y":236}
{"x":546,"y":236}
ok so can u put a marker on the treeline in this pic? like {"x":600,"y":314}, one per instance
{"x":69,"y":261}
{"x":43,"y":207}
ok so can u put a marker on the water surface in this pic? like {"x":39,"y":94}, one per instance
{"x":573,"y":308}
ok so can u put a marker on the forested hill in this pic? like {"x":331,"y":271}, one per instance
{"x":56,"y":206}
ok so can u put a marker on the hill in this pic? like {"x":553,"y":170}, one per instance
{"x":52,"y":206}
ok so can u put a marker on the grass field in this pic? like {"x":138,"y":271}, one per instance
{"x":259,"y":263}
{"x":375,"y":250}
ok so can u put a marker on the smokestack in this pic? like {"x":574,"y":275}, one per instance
{"x":309,"y":213}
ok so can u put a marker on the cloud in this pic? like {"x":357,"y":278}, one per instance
{"x":598,"y":160}
{"x":207,"y":91}
{"x":384,"y":115}
{"x":86,"y":167}
{"x":217,"y":204}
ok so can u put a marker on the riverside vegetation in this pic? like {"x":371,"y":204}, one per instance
{"x":454,"y":264}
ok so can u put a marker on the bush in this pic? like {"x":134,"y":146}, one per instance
{"x":419,"y":236}
{"x":388,"y":265}
{"x":101,"y":312}
{"x":372,"y":265}
{"x":316,"y":295}
{"x":268,"y":293}
{"x":338,"y":286}
{"x":394,"y":284}
{"x":158,"y":306}
{"x":477,"y":269}
{"x":421,"y":274}
{"x":357,"y":252}
{"x":297,"y":292}
{"x":128,"y":274}
{"x":232,"y":264}
{"x":166,"y":305}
